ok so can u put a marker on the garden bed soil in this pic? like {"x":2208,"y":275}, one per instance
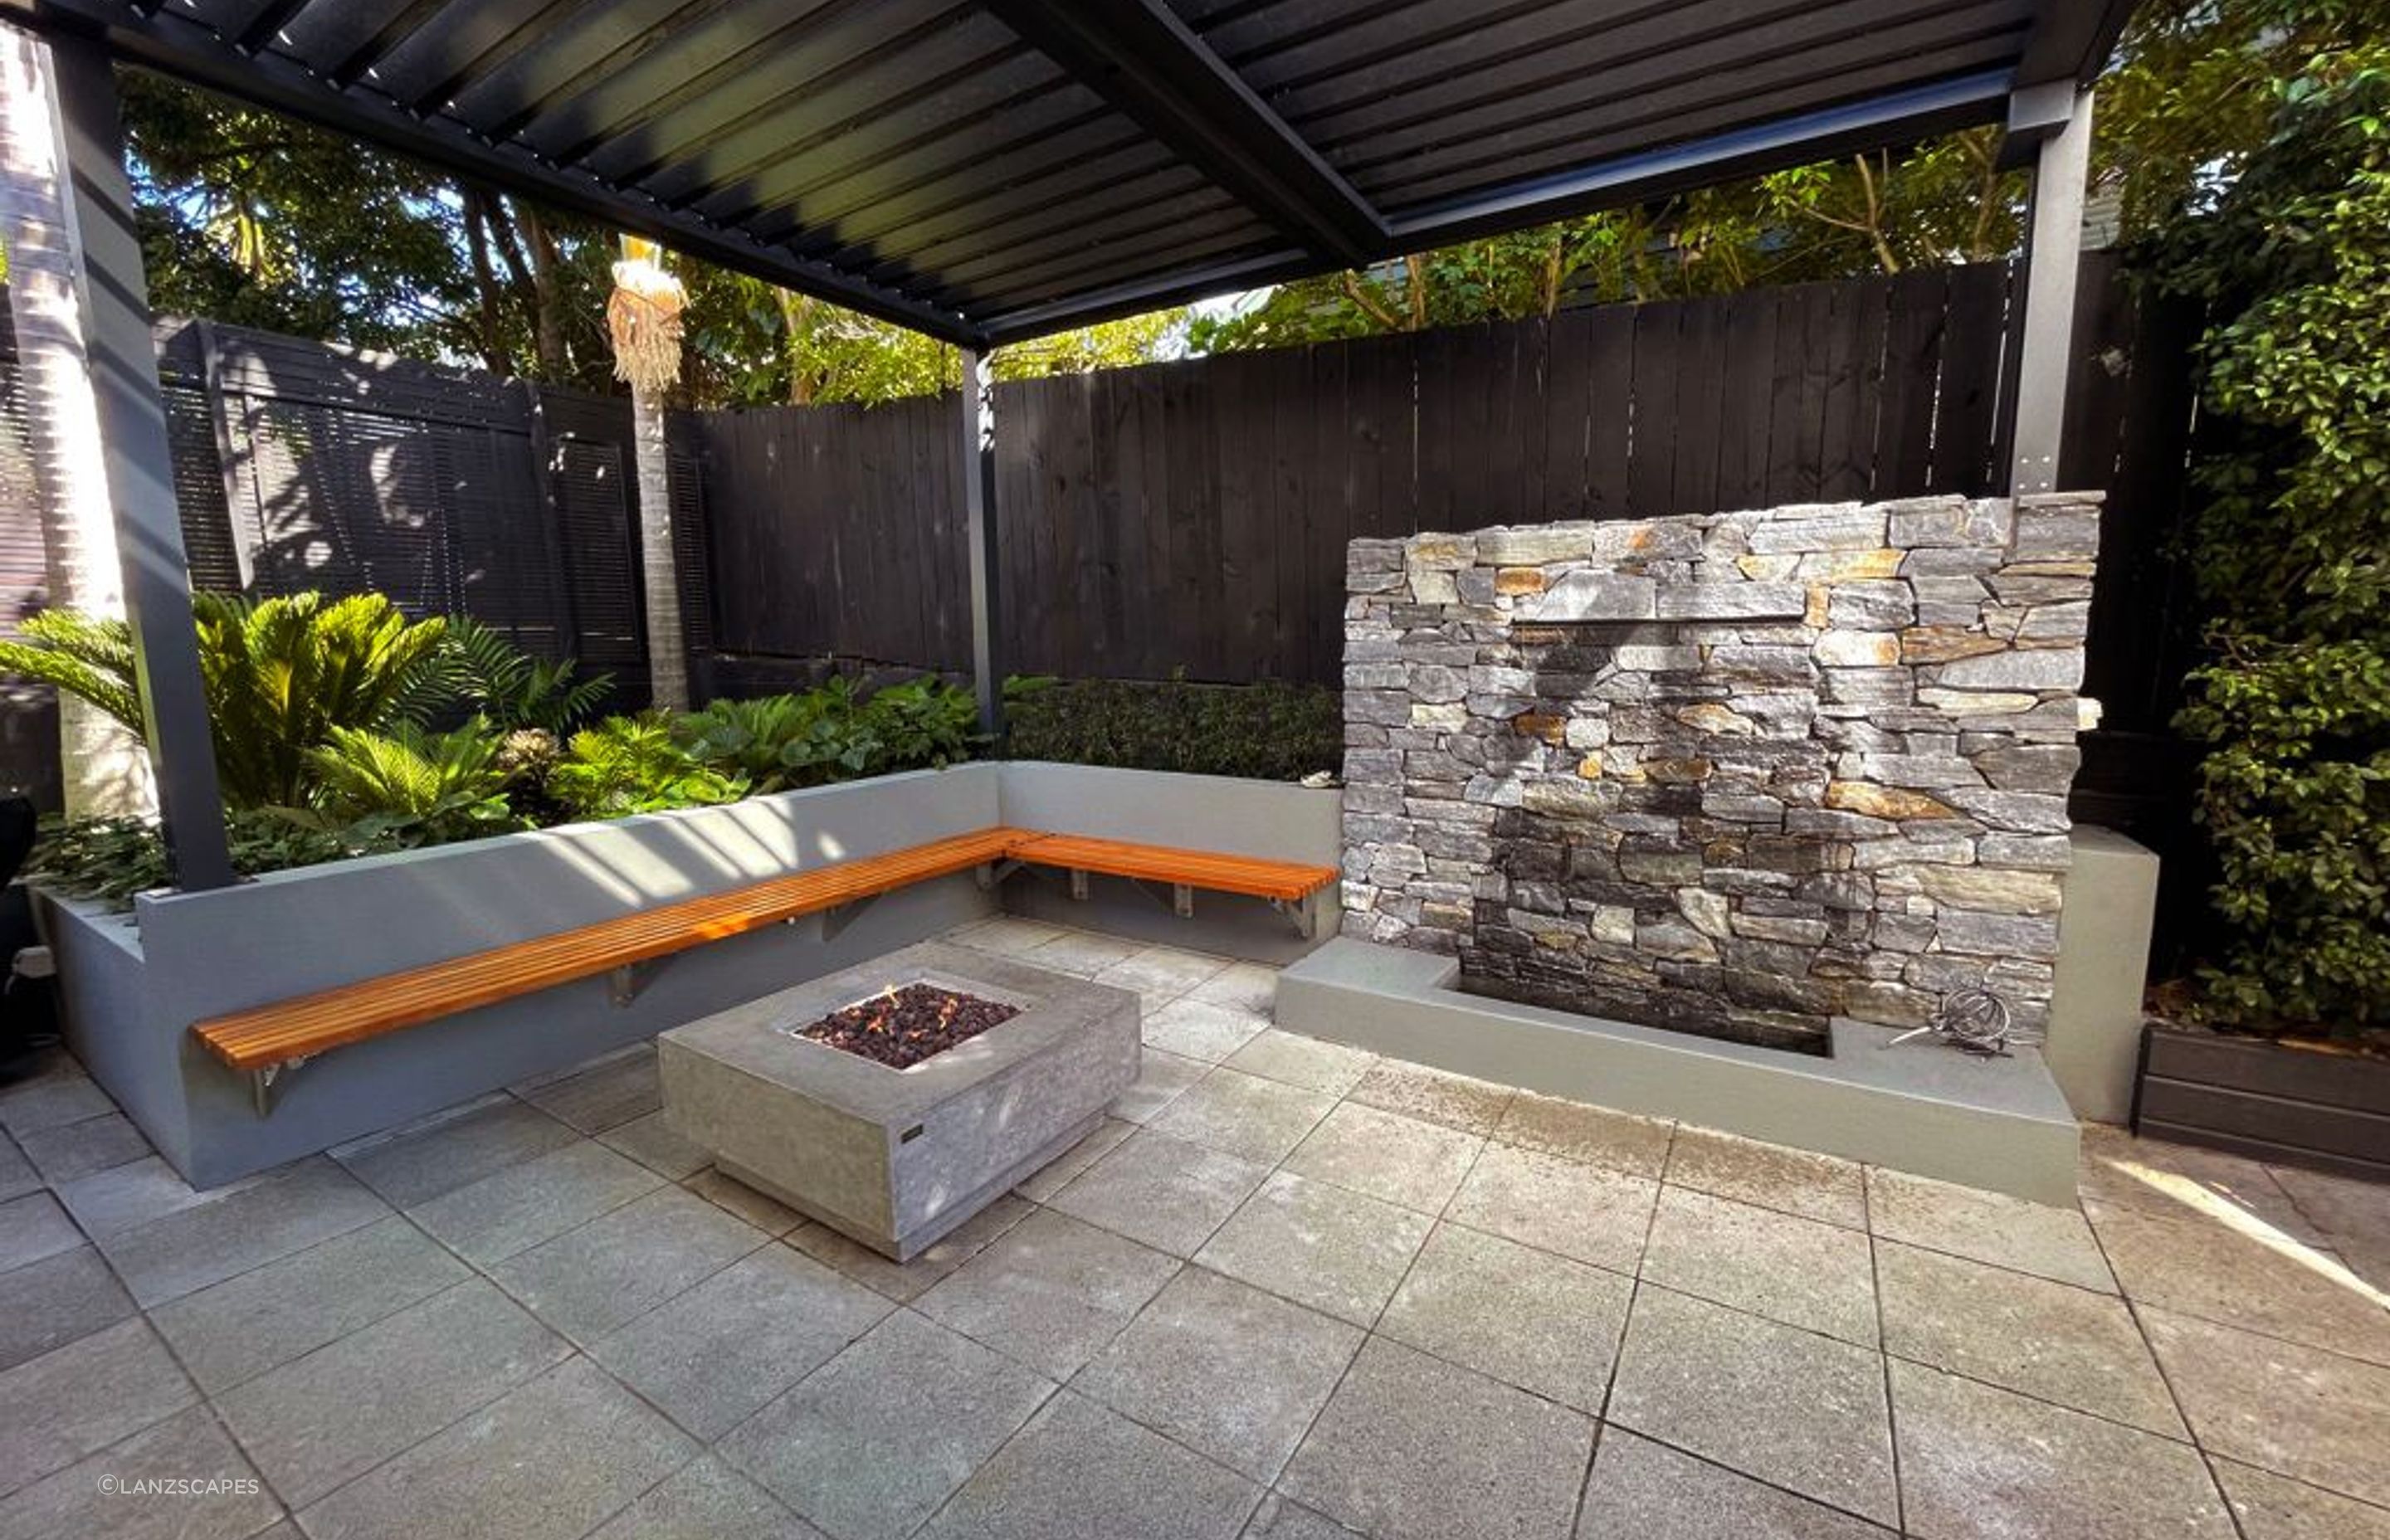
{"x":902,"y":1026}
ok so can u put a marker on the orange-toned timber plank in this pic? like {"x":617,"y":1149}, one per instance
{"x":351,"y":1013}
{"x":1253,"y":875}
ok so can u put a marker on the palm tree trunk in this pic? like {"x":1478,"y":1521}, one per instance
{"x":667,"y":655}
{"x":106,"y":767}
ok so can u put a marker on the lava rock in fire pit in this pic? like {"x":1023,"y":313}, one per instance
{"x":902,"y":1027}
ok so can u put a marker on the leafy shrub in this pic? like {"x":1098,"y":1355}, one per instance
{"x":280,"y":676}
{"x":1268,"y":731}
{"x":412,"y":787}
{"x":508,"y":688}
{"x":2291,"y":550}
{"x":111,"y":859}
{"x":832,"y":733}
{"x":628,"y":765}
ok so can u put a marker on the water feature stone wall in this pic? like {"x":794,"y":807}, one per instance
{"x":1735,"y":774}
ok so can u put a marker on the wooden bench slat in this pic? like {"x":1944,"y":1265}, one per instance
{"x":307,"y":1024}
{"x":1253,"y":875}
{"x":349,"y":1013}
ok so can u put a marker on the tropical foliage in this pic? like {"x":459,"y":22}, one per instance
{"x":2293,"y":552}
{"x":628,"y":765}
{"x":1269,"y":731}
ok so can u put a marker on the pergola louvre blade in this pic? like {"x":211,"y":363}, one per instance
{"x":1139,"y":57}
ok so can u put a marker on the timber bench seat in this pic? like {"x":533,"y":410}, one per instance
{"x":264,"y":1039}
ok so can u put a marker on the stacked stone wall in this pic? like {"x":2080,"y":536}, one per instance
{"x":1735,"y":774}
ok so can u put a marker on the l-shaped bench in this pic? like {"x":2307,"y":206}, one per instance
{"x":263,"y":1041}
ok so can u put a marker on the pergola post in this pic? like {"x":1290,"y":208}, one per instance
{"x":2062,"y":116}
{"x":132,"y":412}
{"x":978,"y":445}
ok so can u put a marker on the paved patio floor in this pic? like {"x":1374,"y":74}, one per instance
{"x":1289,"y":1292}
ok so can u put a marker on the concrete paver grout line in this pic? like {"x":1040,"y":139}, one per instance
{"x":1883,"y":1358}
{"x":2174,"y":1397}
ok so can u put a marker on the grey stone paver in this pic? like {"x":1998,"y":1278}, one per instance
{"x":587,"y":1281}
{"x":2256,"y":1282}
{"x":1529,"y":1318}
{"x":1225,"y":1368}
{"x":710,"y":1357}
{"x":1799,"y":1271}
{"x":69,"y":1151}
{"x":2070,"y":1345}
{"x":1052,"y":1293}
{"x":1795,"y":1409}
{"x":1201,"y":1030}
{"x":84,"y":1396}
{"x":1078,"y":1472}
{"x":438,"y":1155}
{"x":189,"y":1445}
{"x":1986,"y":1226}
{"x":1589,"y":1213}
{"x":2028,"y":1396}
{"x":605,"y":1094}
{"x":871,"y":1443}
{"x":309,"y":1429}
{"x":246,"y":1325}
{"x":1413,"y":1448}
{"x":2274,"y":1507}
{"x":48,"y":1303}
{"x":1455,"y":1101}
{"x":1384,"y":1155}
{"x":904,"y":1282}
{"x":514,"y":1210}
{"x":547,"y":1462}
{"x":1304,"y":1061}
{"x":2297,"y":1411}
{"x":1320,"y":1246}
{"x":1082,"y":952}
{"x":1645,"y":1490}
{"x":651,"y":1142}
{"x":1980,"y":1461}
{"x":206,"y":1243}
{"x":31,"y":1227}
{"x":706,"y":1501}
{"x":1162,"y":1078}
{"x":1244,"y":1115}
{"x":1794,"y":1181}
{"x":1165,"y":1192}
{"x":1592,"y":1134}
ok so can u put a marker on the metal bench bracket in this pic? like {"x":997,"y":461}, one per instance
{"x":1301,"y":912}
{"x":991,"y":874}
{"x":262,"y":1084}
{"x":624,"y":984}
{"x":1078,"y":885}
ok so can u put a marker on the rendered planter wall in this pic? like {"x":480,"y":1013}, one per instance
{"x":2270,"y":1100}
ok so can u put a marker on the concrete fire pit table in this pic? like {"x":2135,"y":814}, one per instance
{"x":897,"y":1157}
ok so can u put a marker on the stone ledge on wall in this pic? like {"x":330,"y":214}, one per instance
{"x":1735,"y":773}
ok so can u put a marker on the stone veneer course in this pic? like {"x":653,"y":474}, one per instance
{"x":1735,"y":774}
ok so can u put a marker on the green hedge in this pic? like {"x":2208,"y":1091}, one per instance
{"x":1266,"y":731}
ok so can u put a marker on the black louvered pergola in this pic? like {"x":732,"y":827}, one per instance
{"x":988,"y":171}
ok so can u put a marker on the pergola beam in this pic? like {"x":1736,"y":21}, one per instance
{"x":2070,"y":41}
{"x":194,"y":53}
{"x":132,"y":412}
{"x":1139,"y":57}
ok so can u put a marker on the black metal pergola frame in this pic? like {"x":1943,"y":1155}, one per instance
{"x":1042,"y":165}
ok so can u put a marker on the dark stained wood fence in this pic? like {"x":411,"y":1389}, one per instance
{"x":1192,"y":516}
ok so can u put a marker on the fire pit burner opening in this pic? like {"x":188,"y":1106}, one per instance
{"x":902,"y":1025}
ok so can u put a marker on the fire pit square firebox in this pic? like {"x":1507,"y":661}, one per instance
{"x":895,"y":1159}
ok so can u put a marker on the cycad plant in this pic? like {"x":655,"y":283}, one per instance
{"x":509,"y":687}
{"x":411,"y":786}
{"x":280,"y":676}
{"x":628,"y":765}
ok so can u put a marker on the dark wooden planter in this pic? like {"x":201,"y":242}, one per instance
{"x":2274,"y":1102}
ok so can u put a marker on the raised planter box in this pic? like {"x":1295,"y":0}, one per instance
{"x":2274,"y":1102}
{"x":897,"y":1157}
